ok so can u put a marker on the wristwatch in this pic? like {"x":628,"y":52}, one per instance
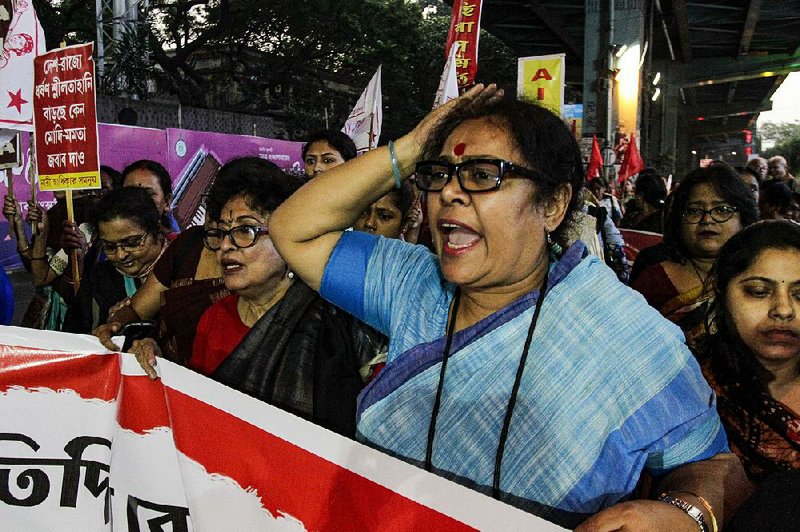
{"x":692,"y":511}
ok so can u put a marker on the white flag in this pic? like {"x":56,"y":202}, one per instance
{"x":364,"y":123}
{"x":23,"y":41}
{"x":448,"y":84}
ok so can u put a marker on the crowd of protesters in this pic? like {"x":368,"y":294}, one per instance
{"x":464,"y":299}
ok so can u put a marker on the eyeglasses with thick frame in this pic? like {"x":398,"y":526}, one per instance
{"x":719,"y":214}
{"x":128,"y":245}
{"x":241,"y":236}
{"x":474,"y":175}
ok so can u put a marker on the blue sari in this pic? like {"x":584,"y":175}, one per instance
{"x":609,"y":387}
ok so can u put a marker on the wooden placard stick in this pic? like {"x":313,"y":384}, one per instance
{"x":32,"y":175}
{"x":8,"y":174}
{"x":73,"y":255}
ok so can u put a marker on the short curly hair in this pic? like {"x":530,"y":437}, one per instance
{"x":262,"y":183}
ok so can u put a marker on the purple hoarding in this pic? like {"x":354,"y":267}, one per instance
{"x":195,"y":156}
{"x":192,"y":158}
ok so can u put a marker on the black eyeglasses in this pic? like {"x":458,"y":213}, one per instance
{"x":242,"y":236}
{"x":127,"y":245}
{"x":474,"y":175}
{"x":720,"y":213}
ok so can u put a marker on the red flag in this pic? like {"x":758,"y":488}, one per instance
{"x":464,"y":32}
{"x":633,"y":163}
{"x":595,"y":161}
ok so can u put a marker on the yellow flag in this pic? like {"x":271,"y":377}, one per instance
{"x":541,"y":79}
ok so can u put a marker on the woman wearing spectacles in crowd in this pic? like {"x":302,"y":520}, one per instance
{"x":126,"y":222}
{"x":507,"y":370}
{"x":273,"y":337}
{"x":708,"y":207}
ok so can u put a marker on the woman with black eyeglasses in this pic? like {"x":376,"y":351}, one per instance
{"x":518,"y":366}
{"x":709,"y":206}
{"x":126,"y":223}
{"x":272,"y":337}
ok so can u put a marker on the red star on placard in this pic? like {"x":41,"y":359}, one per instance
{"x":17,"y":100}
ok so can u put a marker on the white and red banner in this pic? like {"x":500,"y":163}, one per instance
{"x":88,"y":442}
{"x":464,"y":35}
{"x":448,"y":83}
{"x":364,"y":123}
{"x":21,"y":39}
{"x":66,"y":119}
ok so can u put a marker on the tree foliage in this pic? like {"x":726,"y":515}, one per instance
{"x":297,"y":61}
{"x":779,"y":133}
{"x":786,"y":136}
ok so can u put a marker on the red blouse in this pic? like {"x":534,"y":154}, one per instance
{"x":219,"y":331}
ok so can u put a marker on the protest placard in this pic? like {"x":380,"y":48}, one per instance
{"x":65,"y":119}
{"x":10,"y":154}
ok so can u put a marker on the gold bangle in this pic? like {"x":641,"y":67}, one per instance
{"x":706,"y":505}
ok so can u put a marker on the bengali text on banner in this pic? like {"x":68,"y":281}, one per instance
{"x":90,"y":443}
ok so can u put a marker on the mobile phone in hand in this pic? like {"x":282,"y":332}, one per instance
{"x":137,"y":330}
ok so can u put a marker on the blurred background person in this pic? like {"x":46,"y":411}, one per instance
{"x":793,"y":210}
{"x":751,"y":179}
{"x":326,"y":149}
{"x":155,"y":179}
{"x":605,"y":197}
{"x":648,"y":208}
{"x":709,"y":206}
{"x":110,"y":178}
{"x":760,"y":165}
{"x":779,"y":171}
{"x":390,"y":215}
{"x":46,"y":255}
{"x":774,"y":199}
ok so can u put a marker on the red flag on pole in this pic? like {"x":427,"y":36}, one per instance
{"x":595,"y":161}
{"x":464,"y":33}
{"x":633,"y":163}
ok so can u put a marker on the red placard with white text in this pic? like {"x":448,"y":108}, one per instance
{"x":65,"y":119}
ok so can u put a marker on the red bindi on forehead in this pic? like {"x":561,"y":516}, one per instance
{"x":458,"y":149}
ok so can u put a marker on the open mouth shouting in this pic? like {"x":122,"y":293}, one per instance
{"x":457,"y":238}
